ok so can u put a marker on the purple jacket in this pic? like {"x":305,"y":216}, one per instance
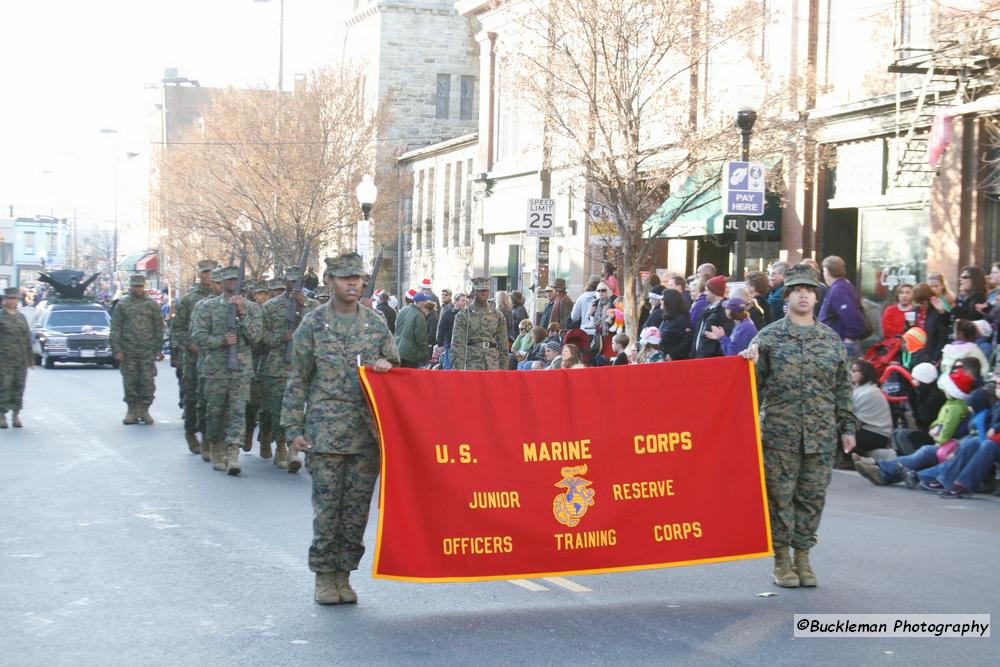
{"x":700,"y":304}
{"x":841,"y":311}
{"x":740,"y":338}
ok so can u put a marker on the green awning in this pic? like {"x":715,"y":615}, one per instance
{"x":695,"y":208}
{"x":129,"y":262}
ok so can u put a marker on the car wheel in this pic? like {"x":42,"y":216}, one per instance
{"x":38,"y":360}
{"x":49,"y":363}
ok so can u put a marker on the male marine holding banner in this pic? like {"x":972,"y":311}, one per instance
{"x":805,"y":401}
{"x":325,"y":413}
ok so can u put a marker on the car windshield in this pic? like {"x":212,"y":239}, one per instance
{"x":75,"y":319}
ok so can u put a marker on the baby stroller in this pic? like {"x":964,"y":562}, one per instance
{"x":897,"y":386}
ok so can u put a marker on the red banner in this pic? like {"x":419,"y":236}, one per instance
{"x":520,"y":474}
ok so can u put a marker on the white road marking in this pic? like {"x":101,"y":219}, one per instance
{"x":529,"y":585}
{"x":568,"y":585}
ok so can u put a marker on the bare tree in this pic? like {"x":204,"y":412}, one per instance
{"x":614,"y":85}
{"x":285,"y":166}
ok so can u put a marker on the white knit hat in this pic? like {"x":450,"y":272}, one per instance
{"x":924,"y":373}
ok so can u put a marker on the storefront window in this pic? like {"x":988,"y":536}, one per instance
{"x":893,"y":250}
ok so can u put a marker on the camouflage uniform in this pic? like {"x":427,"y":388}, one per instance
{"x":257,"y":412}
{"x":226,"y":391}
{"x":806,"y":404}
{"x":274,"y":369}
{"x":479,"y":338}
{"x":15,"y":357}
{"x":324,"y":402}
{"x":180,"y":331}
{"x":137,"y":333}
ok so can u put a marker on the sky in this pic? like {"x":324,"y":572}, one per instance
{"x":71,"y":67}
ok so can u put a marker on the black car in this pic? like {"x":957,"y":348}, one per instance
{"x":73,"y":332}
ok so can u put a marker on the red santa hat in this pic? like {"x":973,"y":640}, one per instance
{"x":411,"y":293}
{"x":425,"y":283}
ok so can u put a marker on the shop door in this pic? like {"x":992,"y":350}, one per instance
{"x":713,"y":250}
{"x":840,"y":237}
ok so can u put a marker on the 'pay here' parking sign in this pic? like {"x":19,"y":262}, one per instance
{"x":743,"y":188}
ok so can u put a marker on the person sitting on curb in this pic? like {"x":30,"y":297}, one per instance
{"x":958,"y":387}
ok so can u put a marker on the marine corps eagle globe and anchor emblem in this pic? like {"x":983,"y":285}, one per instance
{"x":569,"y":507}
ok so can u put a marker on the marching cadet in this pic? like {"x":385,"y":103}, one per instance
{"x":226,"y":390}
{"x":215,"y":285}
{"x":137,"y":343}
{"x":257,"y":413}
{"x":277,"y":287}
{"x":326,"y":415}
{"x":16,"y":357}
{"x":806,"y":400}
{"x":274,"y":367}
{"x":479,"y":338}
{"x":182,"y":346}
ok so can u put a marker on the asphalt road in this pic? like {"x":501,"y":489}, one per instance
{"x":118,"y":547}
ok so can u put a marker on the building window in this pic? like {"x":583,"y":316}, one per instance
{"x":418,"y":228}
{"x":429,"y":232}
{"x":6,"y":253}
{"x":467,"y":240}
{"x":468,"y":98}
{"x":446,"y":206}
{"x":29,"y":243}
{"x":458,"y":204}
{"x":443,"y":96}
{"x":53,"y":243}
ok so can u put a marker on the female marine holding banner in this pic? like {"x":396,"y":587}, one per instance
{"x":805,"y":402}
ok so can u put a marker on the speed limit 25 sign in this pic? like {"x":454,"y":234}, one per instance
{"x":541,"y":217}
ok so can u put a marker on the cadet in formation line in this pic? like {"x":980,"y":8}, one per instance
{"x":16,"y":357}
{"x":137,"y":344}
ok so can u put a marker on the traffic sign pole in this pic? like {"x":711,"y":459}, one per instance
{"x":744,"y":121}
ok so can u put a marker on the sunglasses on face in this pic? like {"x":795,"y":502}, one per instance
{"x":602,"y":290}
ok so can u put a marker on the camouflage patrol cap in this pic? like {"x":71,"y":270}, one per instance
{"x":276,"y":284}
{"x":207,"y":265}
{"x":230,"y":273}
{"x":11,"y":293}
{"x":800,"y":274}
{"x":216,"y":275}
{"x":480,"y":284}
{"x":321,"y":291}
{"x":137,"y":280}
{"x":345,"y":266}
{"x":292,"y":274}
{"x":262,"y":286}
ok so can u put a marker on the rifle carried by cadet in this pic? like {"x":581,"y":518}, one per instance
{"x":292,"y":317}
{"x":370,"y":290}
{"x":234,"y":354}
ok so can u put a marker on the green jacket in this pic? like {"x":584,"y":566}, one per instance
{"x":15,"y":341}
{"x":137,"y":326}
{"x":949,"y":417}
{"x":411,"y":335}
{"x":804,"y":388}
{"x":479,"y":339}
{"x":180,"y":326}
{"x":208,"y":332}
{"x":275,"y":316}
{"x":323,"y":398}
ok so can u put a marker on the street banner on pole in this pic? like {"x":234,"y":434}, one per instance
{"x":591,"y":477}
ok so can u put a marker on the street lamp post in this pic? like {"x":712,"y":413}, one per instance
{"x":114,"y":257}
{"x":366,"y":193}
{"x":745,"y":118}
{"x":281,"y":42}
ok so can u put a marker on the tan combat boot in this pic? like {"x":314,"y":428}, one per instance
{"x":206,"y":449}
{"x":3,"y":420}
{"x":233,"y":460}
{"x":192,"y":441}
{"x":326,"y":588}
{"x":265,"y":444}
{"x":807,"y":577}
{"x":15,"y":419}
{"x":142,"y":412}
{"x":281,"y":454}
{"x":248,"y":438}
{"x":218,"y":456}
{"x":784,"y":575}
{"x":131,"y":417}
{"x":347,"y":594}
{"x":294,"y":463}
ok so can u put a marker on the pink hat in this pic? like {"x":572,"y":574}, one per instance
{"x":717,"y":285}
{"x":425,"y":283}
